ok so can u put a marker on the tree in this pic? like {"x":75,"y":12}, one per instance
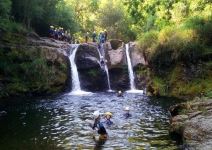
{"x":5,"y":7}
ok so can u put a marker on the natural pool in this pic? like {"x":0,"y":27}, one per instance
{"x":60,"y":123}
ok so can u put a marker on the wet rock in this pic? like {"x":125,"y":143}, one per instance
{"x":116,"y":58}
{"x":115,"y":43}
{"x":193,"y":122}
{"x":119,"y":78}
{"x":136,"y":55}
{"x":87,"y":56}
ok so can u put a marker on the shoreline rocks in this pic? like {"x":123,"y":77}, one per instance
{"x":192,"y":121}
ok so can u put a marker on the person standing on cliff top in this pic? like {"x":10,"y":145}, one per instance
{"x":86,"y":37}
{"x":105,"y":36}
{"x":94,"y":36}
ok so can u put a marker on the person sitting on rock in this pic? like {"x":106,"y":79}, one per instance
{"x":120,"y":93}
{"x":99,"y":126}
{"x":127,"y":112}
{"x":108,"y":116}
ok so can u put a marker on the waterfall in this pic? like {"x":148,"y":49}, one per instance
{"x":131,"y":73}
{"x":108,"y":78}
{"x":76,"y":89}
{"x":101,"y":55}
{"x":130,"y":69}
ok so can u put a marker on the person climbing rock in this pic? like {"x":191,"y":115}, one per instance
{"x":127,"y":112}
{"x":108,"y":116}
{"x":99,"y":126}
{"x":120,"y":93}
{"x":102,"y":62}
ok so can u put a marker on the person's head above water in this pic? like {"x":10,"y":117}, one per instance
{"x":127,"y":108}
{"x":127,"y":112}
{"x":96,"y":114}
{"x":108,"y":115}
{"x":119,"y":94}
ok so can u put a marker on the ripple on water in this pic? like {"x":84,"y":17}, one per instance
{"x":61,"y":123}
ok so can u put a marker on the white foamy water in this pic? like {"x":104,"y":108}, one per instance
{"x":131,"y":73}
{"x":76,"y":89}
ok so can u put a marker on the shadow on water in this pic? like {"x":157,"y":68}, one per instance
{"x":61,"y":122}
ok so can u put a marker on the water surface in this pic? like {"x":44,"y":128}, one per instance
{"x":60,"y":123}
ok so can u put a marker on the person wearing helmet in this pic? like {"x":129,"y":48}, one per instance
{"x":127,"y":112}
{"x":108,"y":116}
{"x":102,"y":62}
{"x":51,"y":32}
{"x":100,"y":127}
{"x":120,"y":93}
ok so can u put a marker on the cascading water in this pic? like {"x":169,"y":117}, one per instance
{"x":76,"y":89}
{"x":131,"y":73}
{"x":108,"y":78}
{"x":101,"y":55}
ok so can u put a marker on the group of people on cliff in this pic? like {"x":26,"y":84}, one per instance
{"x":100,"y":38}
{"x":60,"y":34}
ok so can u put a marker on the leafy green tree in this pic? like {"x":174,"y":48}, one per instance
{"x":5,"y":7}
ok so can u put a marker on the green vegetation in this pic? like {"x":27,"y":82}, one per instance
{"x":175,"y":36}
{"x":26,"y":70}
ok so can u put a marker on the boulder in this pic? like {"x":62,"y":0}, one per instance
{"x":193,"y":122}
{"x":116,"y":58}
{"x":136,"y":55}
{"x":87,"y":56}
{"x":115,"y":43}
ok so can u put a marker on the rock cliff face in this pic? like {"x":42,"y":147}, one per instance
{"x":93,"y":77}
{"x":193,"y":122}
{"x":31,"y":65}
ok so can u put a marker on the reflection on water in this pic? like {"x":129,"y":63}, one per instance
{"x":60,"y":123}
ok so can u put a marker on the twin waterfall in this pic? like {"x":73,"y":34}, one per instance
{"x":76,"y":89}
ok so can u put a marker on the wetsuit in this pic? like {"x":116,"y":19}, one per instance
{"x":101,"y":130}
{"x":108,"y":122}
{"x":127,"y":115}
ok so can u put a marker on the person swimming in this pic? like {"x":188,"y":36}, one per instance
{"x":127,"y":112}
{"x":108,"y":116}
{"x":120,"y":93}
{"x":99,"y":126}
